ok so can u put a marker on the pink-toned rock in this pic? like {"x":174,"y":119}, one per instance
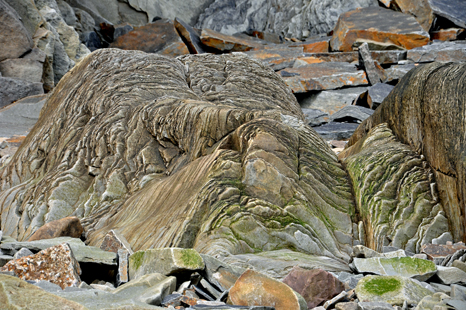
{"x":316,"y":285}
{"x":56,"y":264}
{"x":113,"y":241}
{"x":255,"y":289}
{"x":441,"y":250}
{"x":65,"y":227}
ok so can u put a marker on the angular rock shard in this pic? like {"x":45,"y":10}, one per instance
{"x":380,"y":25}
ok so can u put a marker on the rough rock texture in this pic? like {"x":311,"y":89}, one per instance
{"x":24,"y":69}
{"x":190,"y":36}
{"x":426,"y":110}
{"x":202,"y":151}
{"x":420,"y":9}
{"x":18,"y":294}
{"x":30,"y":16}
{"x":392,"y":289}
{"x":297,"y":18}
{"x":439,"y":52}
{"x":65,"y":227}
{"x":15,"y":39}
{"x":256,"y":289}
{"x":394,"y":192}
{"x":379,"y":25}
{"x":13,"y":89}
{"x":453,"y":10}
{"x":159,"y":37}
{"x":114,"y":241}
{"x":316,"y":286}
{"x":56,"y":264}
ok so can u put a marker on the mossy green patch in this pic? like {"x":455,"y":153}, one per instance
{"x":419,"y":265}
{"x":190,"y":258}
{"x":136,"y":259}
{"x":381,"y":285}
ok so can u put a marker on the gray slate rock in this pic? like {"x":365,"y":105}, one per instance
{"x":15,"y":39}
{"x":450,"y":275}
{"x":458,"y":292}
{"x":14,"y":89}
{"x":24,"y":69}
{"x":48,"y":286}
{"x":5,"y":259}
{"x":350,"y":280}
{"x":331,"y":101}
{"x":22,"y":252}
{"x":439,"y":51}
{"x":443,"y":239}
{"x":315,"y":117}
{"x":396,"y":72}
{"x":378,"y":93}
{"x":336,"y":131}
{"x":453,"y":10}
{"x":375,"y":305}
{"x":366,"y":61}
{"x":20,"y":117}
{"x":351,"y":114}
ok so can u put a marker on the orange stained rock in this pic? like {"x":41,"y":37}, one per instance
{"x":450,"y":34}
{"x":311,"y":60}
{"x":225,"y":42}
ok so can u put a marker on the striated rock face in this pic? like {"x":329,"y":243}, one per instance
{"x":394,"y":191}
{"x":426,"y":110}
{"x":201,"y":151}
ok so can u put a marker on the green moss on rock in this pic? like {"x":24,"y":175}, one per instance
{"x":190,"y":258}
{"x":381,"y":285}
{"x":135,"y":260}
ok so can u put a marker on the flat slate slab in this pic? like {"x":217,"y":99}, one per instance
{"x":453,"y":10}
{"x":322,"y":76}
{"x":379,"y":25}
{"x":225,"y":43}
{"x":439,"y":51}
{"x":278,"y":57}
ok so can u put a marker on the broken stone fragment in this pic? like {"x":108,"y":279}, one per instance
{"x":219,"y":273}
{"x":24,"y":69}
{"x":377,"y":24}
{"x":315,"y":286}
{"x":450,"y":34}
{"x":373,"y":70}
{"x":451,"y":275}
{"x":114,"y":241}
{"x":278,"y":57}
{"x":191,"y":36}
{"x":165,"y":261}
{"x":12,"y":89}
{"x":228,"y":43}
{"x":351,"y":114}
{"x":392,"y":289}
{"x":159,"y":37}
{"x":323,"y":76}
{"x":439,"y":52}
{"x":56,"y":264}
{"x":441,"y":250}
{"x":420,"y":9}
{"x":65,"y":227}
{"x":122,"y":275}
{"x":452,"y":10}
{"x":377,"y":93}
{"x":255,"y":289}
{"x":313,"y":45}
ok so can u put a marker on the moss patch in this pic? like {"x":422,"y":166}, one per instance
{"x":190,"y":258}
{"x":381,"y":285}
{"x":136,"y":259}
{"x":419,"y":265}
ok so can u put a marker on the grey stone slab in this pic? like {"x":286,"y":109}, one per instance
{"x":24,"y":69}
{"x":438,"y":51}
{"x":366,"y":61}
{"x":22,"y":252}
{"x":396,"y":72}
{"x":331,"y":101}
{"x":20,"y":117}
{"x":12,"y":89}
{"x":48,"y":286}
{"x":450,"y":275}
{"x":375,"y":305}
{"x":351,"y":114}
{"x":5,"y":259}
{"x":378,"y":93}
{"x":453,"y":10}
{"x":458,"y":292}
{"x":315,"y":117}
{"x":336,"y":131}
{"x":457,"y":304}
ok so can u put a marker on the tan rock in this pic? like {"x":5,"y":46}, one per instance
{"x":56,"y":264}
{"x":420,"y":9}
{"x":225,"y":42}
{"x":65,"y":227}
{"x":255,"y":289}
{"x":377,"y":24}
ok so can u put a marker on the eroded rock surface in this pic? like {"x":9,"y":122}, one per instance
{"x":202,"y":151}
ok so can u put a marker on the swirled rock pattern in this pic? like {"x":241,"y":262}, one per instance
{"x":395,"y":192}
{"x":427,"y":110}
{"x":202,"y":151}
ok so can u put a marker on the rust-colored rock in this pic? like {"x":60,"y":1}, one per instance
{"x":56,"y":264}
{"x":382,"y":57}
{"x":322,"y":76}
{"x":316,"y":285}
{"x":159,"y":37}
{"x":226,"y":43}
{"x":114,"y":241}
{"x":450,"y":34}
{"x":379,"y":25}
{"x":279,"y":57}
{"x":65,"y":227}
{"x":318,"y":45}
{"x":256,"y":289}
{"x":420,"y":9}
{"x":190,"y":35}
{"x":427,"y":111}
{"x":441,"y":250}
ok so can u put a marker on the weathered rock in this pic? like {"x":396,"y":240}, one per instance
{"x":219,"y":273}
{"x":392,"y":289}
{"x":14,"y":89}
{"x":164,"y":261}
{"x":83,"y":253}
{"x":360,"y":251}
{"x":315,"y":117}
{"x":295,"y":19}
{"x":454,"y":11}
{"x":56,"y":264}
{"x":450,"y":34}
{"x":436,"y":300}
{"x":5,"y":259}
{"x":395,"y":73}
{"x":330,"y":101}
{"x":336,"y":131}
{"x":315,"y":286}
{"x":277,"y":58}
{"x":159,"y":37}
{"x":415,"y":268}
{"x":392,"y":186}
{"x":424,"y":111}
{"x":314,"y":45}
{"x":351,"y":114}
{"x":377,"y":94}
{"x":122,"y":29}
{"x":255,"y":289}
{"x":123,"y":260}
{"x":441,"y":250}
{"x":15,"y":39}
{"x":180,"y":185}
{"x":228,"y":43}
{"x":30,"y":16}
{"x":450,"y":275}
{"x":459,"y":264}
{"x":190,"y":36}
{"x":323,"y":76}
{"x":347,"y":306}
{"x":374,"y":305}
{"x":349,"y":280}
{"x":19,"y":294}
{"x":22,"y":253}
{"x":332,"y":302}
{"x":65,"y":227}
{"x":377,"y":24}
{"x":114,"y":241}
{"x":420,"y":9}
{"x":20,"y":117}
{"x":373,"y":70}
{"x":439,"y":52}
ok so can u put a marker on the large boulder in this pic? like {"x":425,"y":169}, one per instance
{"x":426,"y":111}
{"x":297,"y":18}
{"x":203,"y":151}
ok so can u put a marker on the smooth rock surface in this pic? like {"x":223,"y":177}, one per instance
{"x":229,"y":43}
{"x":439,"y":52}
{"x":12,"y":90}
{"x":450,"y":275}
{"x":454,"y":10}
{"x":65,"y":227}
{"x":420,"y":9}
{"x":24,"y":69}
{"x":380,"y":25}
